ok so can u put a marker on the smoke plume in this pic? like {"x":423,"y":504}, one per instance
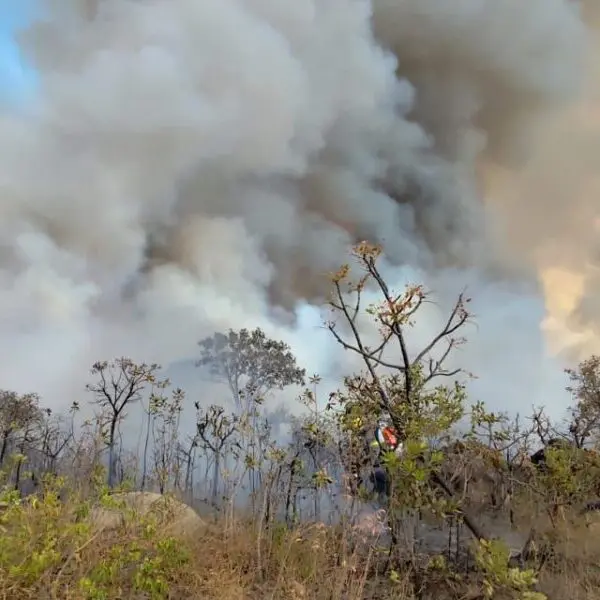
{"x":190,"y":166}
{"x":553,"y":209}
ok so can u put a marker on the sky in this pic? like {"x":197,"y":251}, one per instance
{"x":16,"y":79}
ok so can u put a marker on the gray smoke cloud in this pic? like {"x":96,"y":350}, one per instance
{"x":196,"y":165}
{"x":552,"y":213}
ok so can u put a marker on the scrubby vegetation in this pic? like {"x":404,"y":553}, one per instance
{"x":475,"y":504}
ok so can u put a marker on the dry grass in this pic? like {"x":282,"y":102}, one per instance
{"x":572,"y":569}
{"x":151,"y":547}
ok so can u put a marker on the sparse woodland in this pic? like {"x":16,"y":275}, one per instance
{"x":286,"y":519}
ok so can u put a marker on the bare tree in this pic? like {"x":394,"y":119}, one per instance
{"x":317,"y":440}
{"x":167,"y":413}
{"x":187,"y":453}
{"x":119,"y":384}
{"x":155,"y":402}
{"x":56,"y":435}
{"x":215,"y":429}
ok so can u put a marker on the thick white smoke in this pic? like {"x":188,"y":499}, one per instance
{"x":196,"y":165}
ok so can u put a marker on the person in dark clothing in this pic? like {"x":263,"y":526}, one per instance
{"x":385,"y":441}
{"x":539,"y":458}
{"x":380,"y":480}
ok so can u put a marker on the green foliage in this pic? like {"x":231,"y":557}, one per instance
{"x":431,"y":412}
{"x":151,"y":567}
{"x":570,"y":476}
{"x":46,"y":542}
{"x":493,"y":559}
{"x":37,"y":536}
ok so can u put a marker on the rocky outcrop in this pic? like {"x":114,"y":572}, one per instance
{"x":174,"y":517}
